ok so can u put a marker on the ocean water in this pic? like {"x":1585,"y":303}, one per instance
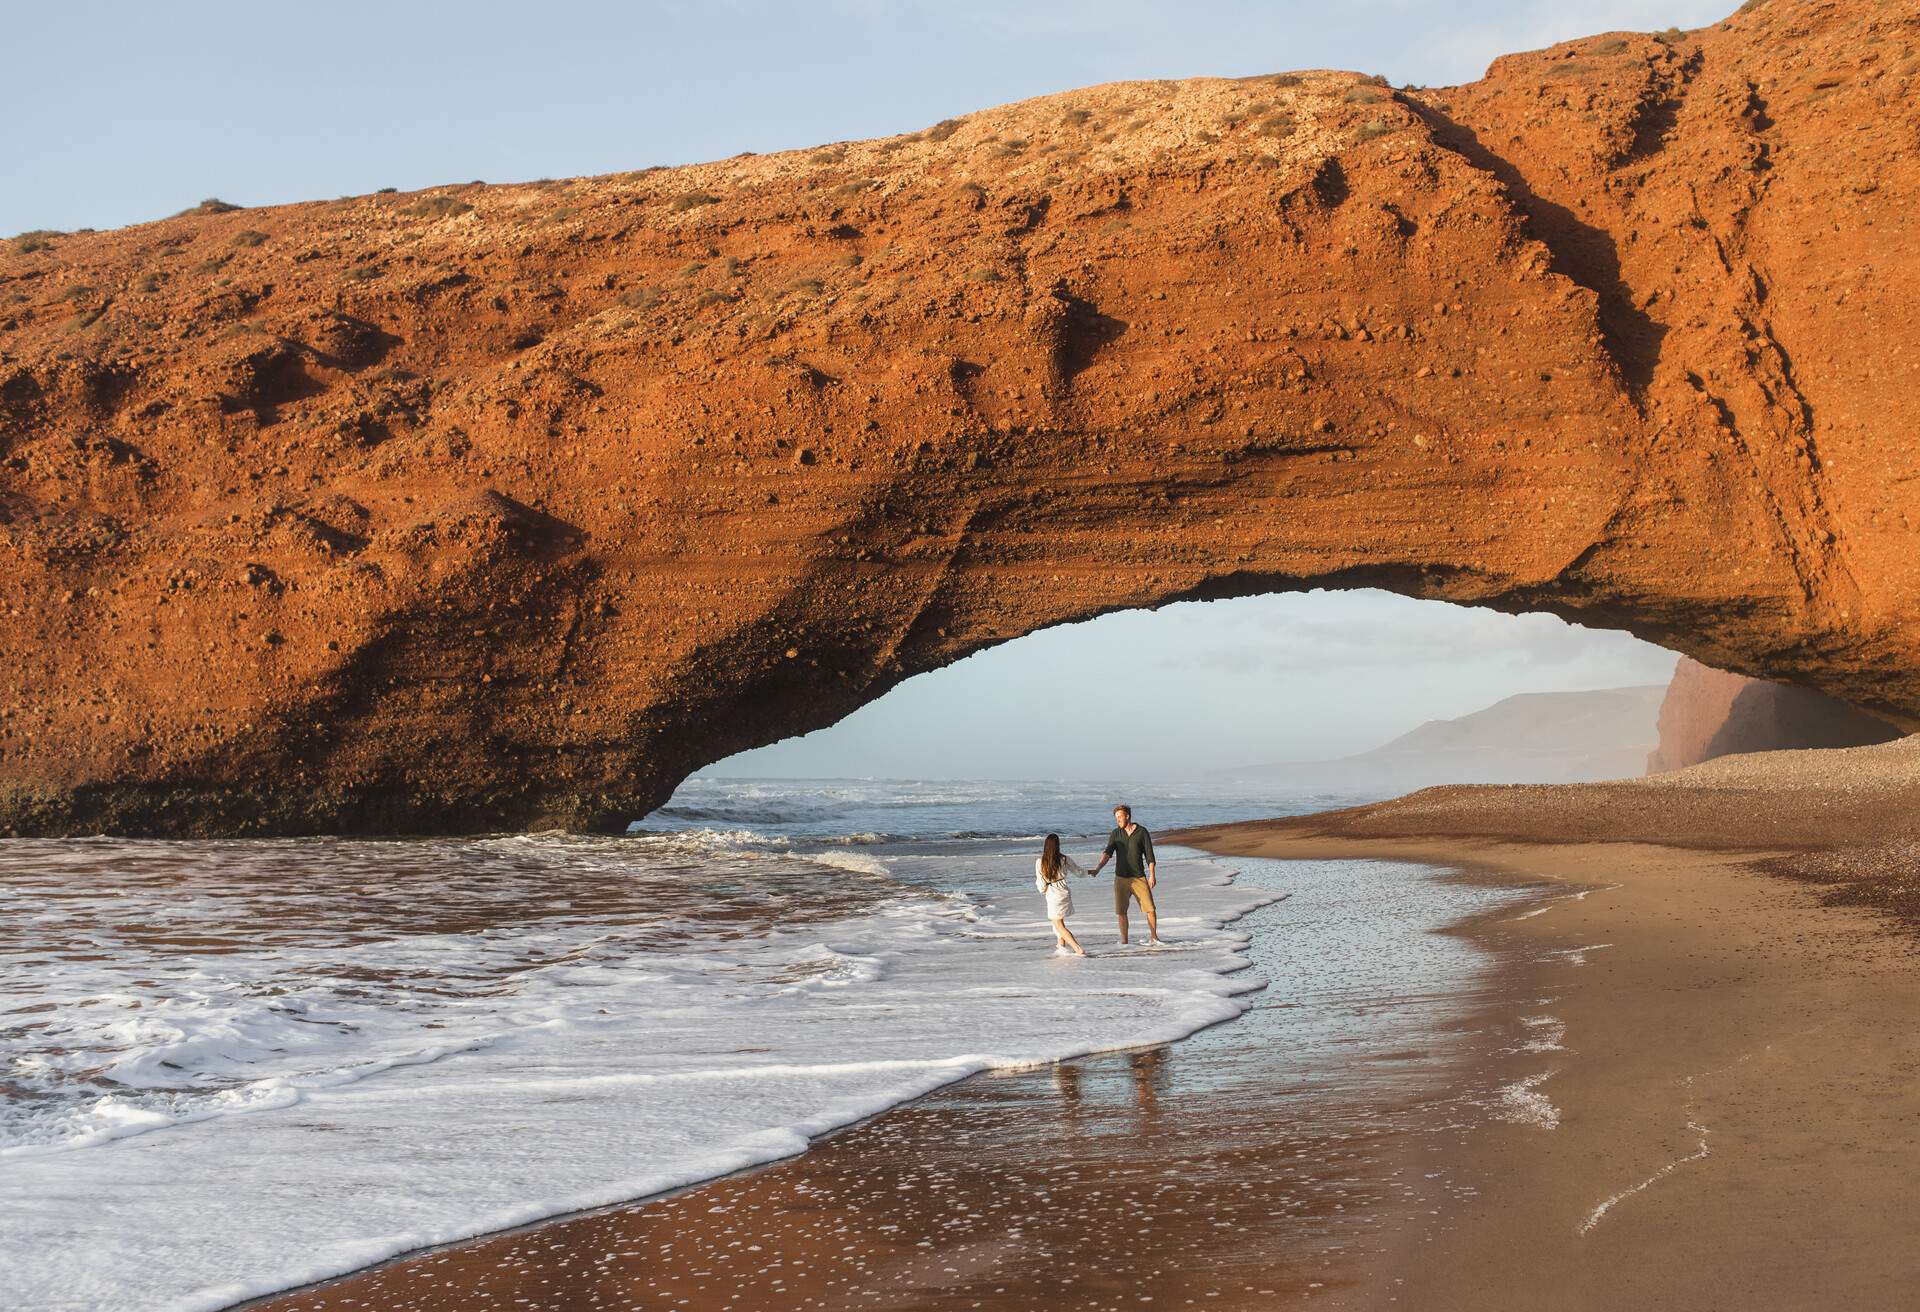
{"x":232,"y":1067}
{"x":1262,"y":1163}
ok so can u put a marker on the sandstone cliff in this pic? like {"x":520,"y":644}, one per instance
{"x":1709,"y":713}
{"x":500,"y":506}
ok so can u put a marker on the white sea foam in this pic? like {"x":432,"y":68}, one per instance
{"x":1700,"y":1153}
{"x":1544,"y":1034}
{"x":858,"y":862}
{"x":217,"y":1090}
{"x":1573,"y":956}
{"x":1580,"y":895}
{"x":1523,"y":1104}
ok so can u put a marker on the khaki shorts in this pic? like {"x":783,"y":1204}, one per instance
{"x":1125,"y":890}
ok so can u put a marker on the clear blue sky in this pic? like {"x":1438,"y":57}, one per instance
{"x":119,"y":112}
{"x":123,"y":112}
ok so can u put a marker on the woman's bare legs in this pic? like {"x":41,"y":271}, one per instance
{"x":1065,"y":938}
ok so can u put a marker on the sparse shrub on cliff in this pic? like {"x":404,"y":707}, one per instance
{"x":438,"y":207}
{"x":1285,"y":80}
{"x":1371,"y":129}
{"x":945,"y":128}
{"x":78,"y":292}
{"x":150,"y":283}
{"x":1074,"y":118}
{"x":831,"y":155}
{"x":985,"y":273}
{"x":849,"y":189}
{"x":249,"y":237}
{"x":1232,"y":121}
{"x":1366,"y":95}
{"x":1613,"y":46}
{"x":691,"y":200}
{"x":387,"y":191}
{"x":359,"y":273}
{"x":1279,"y":125}
{"x":40,"y":239}
{"x":211,"y":205}
{"x":1672,"y":36}
{"x":710,"y":298}
{"x":804,"y":287}
{"x":640,"y":298}
{"x":211,"y":266}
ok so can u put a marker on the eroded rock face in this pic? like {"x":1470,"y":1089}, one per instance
{"x":505,"y":506}
{"x":1709,"y":713}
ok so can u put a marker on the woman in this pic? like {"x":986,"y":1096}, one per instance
{"x":1050,"y":873}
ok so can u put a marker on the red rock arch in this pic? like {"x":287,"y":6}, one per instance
{"x":513,"y":505}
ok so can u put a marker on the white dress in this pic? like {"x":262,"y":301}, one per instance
{"x":1059,"y":896}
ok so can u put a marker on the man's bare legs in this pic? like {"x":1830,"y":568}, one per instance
{"x":1153,"y":923}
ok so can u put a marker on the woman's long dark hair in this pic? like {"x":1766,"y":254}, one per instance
{"x":1050,"y":858}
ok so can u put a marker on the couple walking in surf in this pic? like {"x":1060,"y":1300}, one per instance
{"x":1130,"y":847}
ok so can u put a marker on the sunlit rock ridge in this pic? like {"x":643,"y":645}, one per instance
{"x":503,"y":506}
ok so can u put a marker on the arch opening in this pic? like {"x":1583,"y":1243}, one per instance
{"x":1362,"y":692}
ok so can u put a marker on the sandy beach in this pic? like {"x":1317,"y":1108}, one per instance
{"x":1736,"y":1108}
{"x":1701,"y":1075}
{"x":1735,"y":1111}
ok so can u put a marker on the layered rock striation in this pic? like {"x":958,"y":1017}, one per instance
{"x":490,"y":507}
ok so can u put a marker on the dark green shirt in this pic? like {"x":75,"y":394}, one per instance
{"x":1134,"y":852}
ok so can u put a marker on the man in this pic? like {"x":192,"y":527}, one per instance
{"x":1133,"y":876}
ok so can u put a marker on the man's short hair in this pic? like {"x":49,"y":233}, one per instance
{"x":1124,"y":807}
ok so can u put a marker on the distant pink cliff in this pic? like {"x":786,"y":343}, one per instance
{"x":1709,"y":713}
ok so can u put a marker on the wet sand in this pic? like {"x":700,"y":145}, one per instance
{"x":1738,"y":1114}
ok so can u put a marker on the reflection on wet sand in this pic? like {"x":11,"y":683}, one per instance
{"x":1272,"y":1159}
